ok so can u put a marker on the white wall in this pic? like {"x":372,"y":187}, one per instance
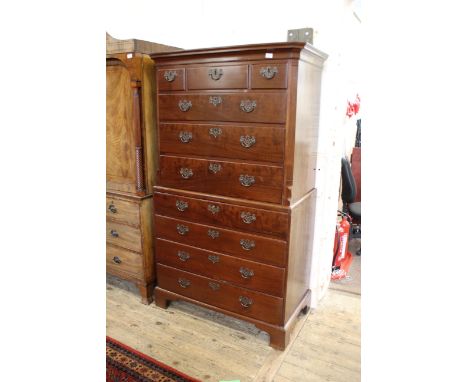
{"x":192,"y":24}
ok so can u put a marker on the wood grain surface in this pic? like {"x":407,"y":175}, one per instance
{"x":231,"y":142}
{"x":269,"y":107}
{"x":169,"y":84}
{"x":300,"y":250}
{"x":231,"y":77}
{"x":266,"y":249}
{"x":306,"y":115}
{"x":227,"y":181}
{"x":226,"y":296}
{"x":147,"y":240}
{"x":259,"y":81}
{"x":120,"y":144}
{"x":122,"y":210}
{"x":120,"y":260}
{"x":218,"y":266}
{"x":124,"y":236}
{"x":148,"y":115}
{"x":210,"y":212}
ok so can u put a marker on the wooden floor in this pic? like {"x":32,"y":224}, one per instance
{"x":213,"y":347}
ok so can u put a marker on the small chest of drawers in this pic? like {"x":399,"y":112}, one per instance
{"x":129,"y":241}
{"x":235,"y":186}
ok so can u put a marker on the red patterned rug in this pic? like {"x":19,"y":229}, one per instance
{"x":124,"y":364}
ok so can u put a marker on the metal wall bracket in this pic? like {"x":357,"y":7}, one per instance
{"x":303,"y":34}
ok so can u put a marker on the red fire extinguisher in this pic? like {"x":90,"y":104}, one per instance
{"x":342,"y":258}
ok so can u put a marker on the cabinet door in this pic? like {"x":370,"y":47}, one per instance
{"x":120,"y":138}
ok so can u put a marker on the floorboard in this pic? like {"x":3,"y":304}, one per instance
{"x":325,"y":346}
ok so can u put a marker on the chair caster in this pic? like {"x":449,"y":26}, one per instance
{"x":356,"y":231}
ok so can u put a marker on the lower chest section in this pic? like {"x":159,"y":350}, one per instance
{"x":231,"y":256}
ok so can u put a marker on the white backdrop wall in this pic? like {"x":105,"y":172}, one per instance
{"x":191,"y":24}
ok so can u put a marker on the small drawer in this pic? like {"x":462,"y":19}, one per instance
{"x":268,"y":76}
{"x":123,"y":211}
{"x":221,"y":214}
{"x":248,"y":181}
{"x":265,"y":143}
{"x":222,"y":295}
{"x":123,"y":236}
{"x":245,"y":245}
{"x":229,"y":107}
{"x":171,"y":79}
{"x":217,"y":77}
{"x":123,"y":260}
{"x":248,"y":274}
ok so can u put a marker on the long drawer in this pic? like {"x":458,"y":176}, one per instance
{"x":222,"y":295}
{"x":122,"y":211}
{"x":221,"y":214}
{"x":248,"y":274}
{"x":123,"y":236}
{"x":264,"y":143}
{"x":122,"y":260}
{"x":232,"y":107}
{"x":245,"y":245}
{"x":248,"y":181}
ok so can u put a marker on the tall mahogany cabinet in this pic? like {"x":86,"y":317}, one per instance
{"x":234,"y":197}
{"x":130,"y":161}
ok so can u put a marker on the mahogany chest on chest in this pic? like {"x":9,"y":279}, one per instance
{"x":235,"y":187}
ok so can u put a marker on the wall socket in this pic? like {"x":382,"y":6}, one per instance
{"x":303,"y":34}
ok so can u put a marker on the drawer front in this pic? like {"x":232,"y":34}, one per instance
{"x":248,"y":274}
{"x":268,"y":76}
{"x":123,"y":260}
{"x":221,"y":214}
{"x":248,"y":181}
{"x":123,"y":236}
{"x":224,"y":141}
{"x":217,"y":77}
{"x":171,"y":79}
{"x":245,"y":245}
{"x":230,"y":107}
{"x":123,"y":211}
{"x":222,"y":295}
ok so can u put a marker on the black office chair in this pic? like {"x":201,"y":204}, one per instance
{"x":348,"y":194}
